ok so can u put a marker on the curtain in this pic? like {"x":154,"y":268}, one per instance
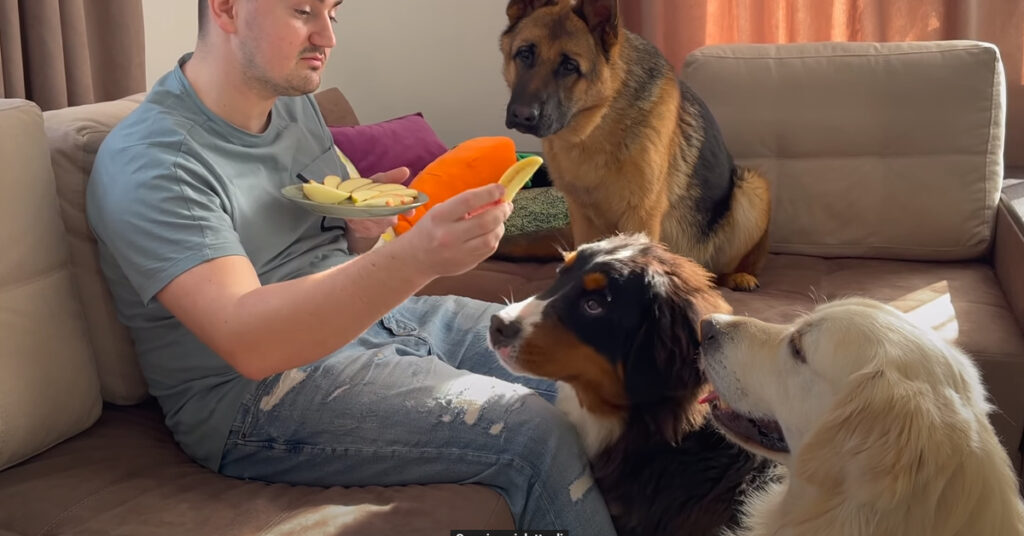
{"x":61,"y":53}
{"x":678,"y":27}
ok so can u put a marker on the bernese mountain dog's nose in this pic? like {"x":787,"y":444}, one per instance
{"x":504,"y":333}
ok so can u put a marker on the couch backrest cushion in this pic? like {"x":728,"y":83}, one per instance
{"x":49,"y":389}
{"x":889,"y":150}
{"x":74,"y":136}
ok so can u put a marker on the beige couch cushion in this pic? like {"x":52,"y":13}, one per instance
{"x":889,"y":150}
{"x":75,"y":135}
{"x":48,"y":385}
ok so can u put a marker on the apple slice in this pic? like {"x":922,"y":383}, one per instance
{"x":319,"y":193}
{"x":351,"y":184}
{"x":332,"y":181}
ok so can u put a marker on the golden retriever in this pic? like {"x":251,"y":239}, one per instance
{"x":882,"y":426}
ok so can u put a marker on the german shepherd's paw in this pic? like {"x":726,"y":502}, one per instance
{"x":739,"y":281}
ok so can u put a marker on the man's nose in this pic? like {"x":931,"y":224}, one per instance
{"x":323,"y":35}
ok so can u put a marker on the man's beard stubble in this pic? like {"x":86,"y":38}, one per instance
{"x":296,"y":84}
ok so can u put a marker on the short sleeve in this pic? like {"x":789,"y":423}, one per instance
{"x":158,"y":214}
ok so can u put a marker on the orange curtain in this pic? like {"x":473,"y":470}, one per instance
{"x":678,"y":27}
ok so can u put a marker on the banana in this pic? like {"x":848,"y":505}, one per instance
{"x":351,"y":184}
{"x":322,"y":194}
{"x":517,"y":174}
{"x":332,"y":181}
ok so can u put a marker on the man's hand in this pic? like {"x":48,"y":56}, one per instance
{"x":456,"y":235}
{"x":363,"y":233}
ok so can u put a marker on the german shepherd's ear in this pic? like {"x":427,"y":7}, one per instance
{"x":518,"y":10}
{"x":602,"y":17}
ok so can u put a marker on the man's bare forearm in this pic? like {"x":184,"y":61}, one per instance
{"x":293,"y":323}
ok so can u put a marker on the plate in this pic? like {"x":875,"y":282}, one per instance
{"x":346,"y":209}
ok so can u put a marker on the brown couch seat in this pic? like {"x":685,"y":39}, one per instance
{"x":125,"y":475}
{"x":127,"y":472}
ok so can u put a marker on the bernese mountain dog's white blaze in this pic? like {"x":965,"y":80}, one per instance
{"x":618,"y":330}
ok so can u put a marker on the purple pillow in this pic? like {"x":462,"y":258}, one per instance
{"x":403,"y":141}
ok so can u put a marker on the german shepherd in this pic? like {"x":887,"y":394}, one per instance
{"x":631,"y":147}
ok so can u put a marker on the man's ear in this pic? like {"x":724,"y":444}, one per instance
{"x":602,"y":17}
{"x":224,"y":13}
{"x":518,"y":10}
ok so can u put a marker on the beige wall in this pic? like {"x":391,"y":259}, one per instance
{"x":439,"y":57}
{"x":170,"y":32}
{"x":394,"y":57}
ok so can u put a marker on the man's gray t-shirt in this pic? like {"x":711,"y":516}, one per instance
{"x":174,"y":186}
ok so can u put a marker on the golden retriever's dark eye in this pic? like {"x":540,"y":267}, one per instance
{"x":525,"y":54}
{"x":593,"y":306}
{"x":795,"y":350}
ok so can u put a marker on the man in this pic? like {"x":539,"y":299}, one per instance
{"x":280,"y":351}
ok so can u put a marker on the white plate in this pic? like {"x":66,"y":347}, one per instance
{"x":346,"y":209}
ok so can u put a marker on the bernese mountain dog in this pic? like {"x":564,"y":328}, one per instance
{"x":618,"y":329}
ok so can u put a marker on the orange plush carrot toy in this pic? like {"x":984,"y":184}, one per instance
{"x":472,"y":163}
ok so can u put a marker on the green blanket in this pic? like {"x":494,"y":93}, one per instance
{"x":537,"y":209}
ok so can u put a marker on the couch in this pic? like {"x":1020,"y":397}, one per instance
{"x":887,"y":175}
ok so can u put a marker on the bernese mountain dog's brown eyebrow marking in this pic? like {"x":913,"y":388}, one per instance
{"x":595,"y":281}
{"x":569,"y":258}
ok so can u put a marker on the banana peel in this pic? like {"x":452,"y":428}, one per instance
{"x":517,"y":174}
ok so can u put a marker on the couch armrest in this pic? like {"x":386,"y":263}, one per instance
{"x":1008,"y":255}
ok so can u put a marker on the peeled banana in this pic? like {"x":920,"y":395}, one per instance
{"x":517,"y":174}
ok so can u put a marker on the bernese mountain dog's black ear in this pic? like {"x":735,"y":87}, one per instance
{"x":662,"y":374}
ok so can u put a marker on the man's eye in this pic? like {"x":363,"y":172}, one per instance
{"x":303,"y":12}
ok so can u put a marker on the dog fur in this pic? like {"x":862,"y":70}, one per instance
{"x":885,"y":425}
{"x":618,"y":331}
{"x":632,"y":148}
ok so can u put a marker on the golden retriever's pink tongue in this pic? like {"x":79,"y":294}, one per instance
{"x":708,"y":398}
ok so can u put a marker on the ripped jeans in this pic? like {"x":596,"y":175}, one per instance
{"x":419,"y":398}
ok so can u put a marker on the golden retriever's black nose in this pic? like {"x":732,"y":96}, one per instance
{"x":504,"y":333}
{"x":709,"y":330}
